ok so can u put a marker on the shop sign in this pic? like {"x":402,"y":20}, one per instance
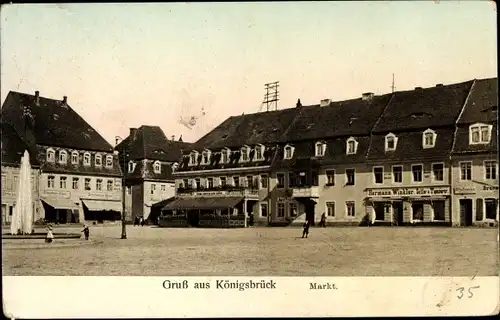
{"x":490,"y":188}
{"x":62,"y":194}
{"x":406,"y":192}
{"x":465,"y":190}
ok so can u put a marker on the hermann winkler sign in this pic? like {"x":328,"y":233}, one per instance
{"x":409,"y":192}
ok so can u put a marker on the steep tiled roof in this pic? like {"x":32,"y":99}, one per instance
{"x":340,"y":118}
{"x":13,"y":147}
{"x":150,"y":142}
{"x":54,"y":123}
{"x":423,"y":108}
{"x":144,"y":170}
{"x":482,"y":103}
{"x":409,"y":146}
{"x":462,"y":145}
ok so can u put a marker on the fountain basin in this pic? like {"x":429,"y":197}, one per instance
{"x":40,"y":235}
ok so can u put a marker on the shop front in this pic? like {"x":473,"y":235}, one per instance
{"x":59,"y":207}
{"x":408,"y":206}
{"x":475,"y":204}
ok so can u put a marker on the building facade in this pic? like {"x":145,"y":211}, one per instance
{"x":148,"y":159}
{"x":80,"y":178}
{"x":475,"y":158}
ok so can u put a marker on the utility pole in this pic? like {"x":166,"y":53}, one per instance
{"x":393,"y":87}
{"x":271,"y":97}
{"x":124,"y":155}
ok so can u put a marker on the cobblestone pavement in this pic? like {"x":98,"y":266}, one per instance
{"x":355,"y":251}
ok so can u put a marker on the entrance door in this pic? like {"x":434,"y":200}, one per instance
{"x":193,"y":217}
{"x":309,"y":208}
{"x":397,"y":209}
{"x":466,"y":212}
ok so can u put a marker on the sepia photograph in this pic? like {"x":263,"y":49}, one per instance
{"x":250,"y":145}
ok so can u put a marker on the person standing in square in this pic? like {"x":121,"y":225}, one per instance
{"x":306,"y":229}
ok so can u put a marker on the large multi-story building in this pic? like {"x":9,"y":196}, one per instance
{"x":80,"y":178}
{"x":148,"y":159}
{"x":475,"y":157}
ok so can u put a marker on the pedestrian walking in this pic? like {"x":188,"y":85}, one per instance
{"x":251,"y":218}
{"x":142,"y":222}
{"x":306,"y":229}
{"x":86,"y":231}
{"x":322,"y":223}
{"x":136,"y":221}
{"x":50,"y":235}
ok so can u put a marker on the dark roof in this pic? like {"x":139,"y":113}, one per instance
{"x":54,"y":123}
{"x":150,"y":142}
{"x":339,"y":118}
{"x":144,"y":170}
{"x":409,"y":146}
{"x":481,"y":106}
{"x":13,"y":147}
{"x":423,"y":108}
{"x":462,"y":145}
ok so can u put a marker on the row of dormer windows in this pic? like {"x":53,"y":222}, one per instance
{"x":250,"y":181}
{"x":247,"y":153}
{"x":74,"y":158}
{"x":156,"y":166}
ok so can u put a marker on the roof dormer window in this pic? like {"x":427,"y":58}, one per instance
{"x":63,"y":157}
{"x":175,"y":165}
{"x":351,"y":146}
{"x":86,"y":159}
{"x":74,"y":157}
{"x":193,"y":158}
{"x":259,"y":152}
{"x":320,"y":148}
{"x":51,"y":155}
{"x":244,"y":153}
{"x":391,"y":141}
{"x":157,"y":167}
{"x":98,"y":160}
{"x":205,"y":159}
{"x":289,"y":151}
{"x":480,"y":133}
{"x":131,"y":166}
{"x":109,"y":161}
{"x":224,"y":155}
{"x":429,"y":138}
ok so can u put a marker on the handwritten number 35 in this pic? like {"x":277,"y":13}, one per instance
{"x":461,"y":290}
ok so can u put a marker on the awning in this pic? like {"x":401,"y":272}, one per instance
{"x":59,"y":203}
{"x":203,"y":203}
{"x":100,"y":205}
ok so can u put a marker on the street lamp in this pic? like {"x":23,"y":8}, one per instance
{"x":124,"y":152}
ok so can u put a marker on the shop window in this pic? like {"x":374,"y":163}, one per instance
{"x":293,"y":209}
{"x":491,"y":208}
{"x":438,"y":210}
{"x":281,"y":210}
{"x":263,"y":209}
{"x":417,"y":211}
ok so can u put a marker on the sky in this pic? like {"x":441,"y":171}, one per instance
{"x":126,"y":65}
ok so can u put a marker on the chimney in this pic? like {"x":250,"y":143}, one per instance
{"x":65,"y":100}
{"x":367,"y":96}
{"x":173,"y":137}
{"x":132,"y":132}
{"x":299,"y":104}
{"x":180,"y":139}
{"x":439,"y":85}
{"x":37,"y":98}
{"x":325,"y":102}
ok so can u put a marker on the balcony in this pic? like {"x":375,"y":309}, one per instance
{"x":304,"y":191}
{"x":220,"y":191}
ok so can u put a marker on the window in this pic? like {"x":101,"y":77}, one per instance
{"x":223,"y":181}
{"x":236,"y":181}
{"x":281,"y":180}
{"x":244,"y":154}
{"x":86,"y":159}
{"x":281,"y":210}
{"x":351,"y":208}
{"x":98,"y":184}
{"x":109,"y":161}
{"x":391,"y":142}
{"x":397,"y":174}
{"x":51,"y":181}
{"x":259,"y":152}
{"x":129,"y":190}
{"x":205,"y":158}
{"x":175,"y":165}
{"x":131,"y":166}
{"x":74,"y":157}
{"x":293,"y":209}
{"x":109,"y":185}
{"x":163,"y":188}
{"x":330,"y":177}
{"x":16,"y":186}
{"x":63,"y":157}
{"x":437,"y":172}
{"x":292,"y":181}
{"x":479,"y":209}
{"x":288,"y":152}
{"x":193,"y":158}
{"x":352,"y":146}
{"x":438,"y":210}
{"x":490,"y":170}
{"x":75,"y":184}
{"x":87,"y":184}
{"x":263,"y":209}
{"x":185,"y":183}
{"x":350,"y":177}
{"x":98,"y":160}
{"x":417,"y":209}
{"x":51,"y":155}
{"x":250,"y":181}
{"x":224,"y":156}
{"x":157,"y":167}
{"x":320,"y":149}
{"x":491,"y":208}
{"x":378,"y":175}
{"x":197,"y":183}
{"x":153,"y":188}
{"x":263,"y":181}
{"x":210,"y":182}
{"x":416,"y":170}
{"x":3,"y":181}
{"x":465,"y":170}
{"x":314,"y":178}
{"x":62,"y":182}
{"x":480,"y":133}
{"x":429,"y":139}
{"x":330,"y":209}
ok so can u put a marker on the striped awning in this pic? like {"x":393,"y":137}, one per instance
{"x":203,"y":203}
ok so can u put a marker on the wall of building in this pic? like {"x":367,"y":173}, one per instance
{"x":10,"y":180}
{"x":161,"y":191}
